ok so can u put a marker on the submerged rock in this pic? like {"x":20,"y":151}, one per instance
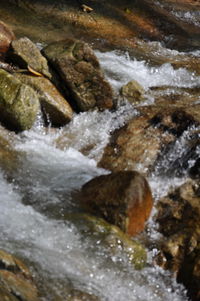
{"x":79,"y":69}
{"x":6,"y":37}
{"x":77,"y":295}
{"x":55,"y":107}
{"x":122,"y":198}
{"x":24,"y":53}
{"x":19,"y":103}
{"x":15,"y":280}
{"x":133,"y":91}
{"x":179,"y":221}
{"x":116,"y":243}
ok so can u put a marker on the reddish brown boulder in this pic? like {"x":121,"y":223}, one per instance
{"x":123,"y":198}
{"x":6,"y":37}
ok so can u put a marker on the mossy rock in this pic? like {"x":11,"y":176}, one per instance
{"x":19,"y":103}
{"x":111,"y":237}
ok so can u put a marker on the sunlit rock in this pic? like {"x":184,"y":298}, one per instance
{"x":143,"y":142}
{"x":24,"y":53}
{"x":183,"y":14}
{"x":133,"y":91}
{"x":122,"y":198}
{"x":80,"y":72}
{"x":15,"y":280}
{"x":19,"y":103}
{"x":6,"y":36}
{"x":178,"y":218}
{"x":55,"y":107}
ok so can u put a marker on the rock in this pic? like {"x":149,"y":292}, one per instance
{"x":80,"y":72}
{"x":116,"y":243}
{"x":122,"y":198}
{"x":77,"y":295}
{"x":6,"y":36}
{"x":15,"y":280}
{"x":178,"y":219}
{"x":56,"y":109}
{"x":19,"y":103}
{"x":133,"y":91}
{"x":9,"y":157}
{"x":24,"y":53}
{"x":182,"y":14}
{"x":194,"y":171}
{"x":142,"y":143}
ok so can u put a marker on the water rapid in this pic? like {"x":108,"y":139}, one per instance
{"x":33,"y":221}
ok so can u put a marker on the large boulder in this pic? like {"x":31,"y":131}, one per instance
{"x":178,"y":218}
{"x":79,"y":69}
{"x":54,"y":106}
{"x":24,"y":53}
{"x":142,"y":143}
{"x":15,"y":280}
{"x":19,"y":103}
{"x":6,"y":36}
{"x":122,"y":198}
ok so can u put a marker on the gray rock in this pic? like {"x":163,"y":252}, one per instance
{"x":25,"y":54}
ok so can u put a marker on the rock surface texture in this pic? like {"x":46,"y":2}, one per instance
{"x":179,"y":221}
{"x":15,"y":280}
{"x":19,"y":103}
{"x":122,"y":198}
{"x":80,"y":72}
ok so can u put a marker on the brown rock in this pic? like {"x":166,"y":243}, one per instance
{"x":15,"y":280}
{"x":133,"y":91}
{"x":122,"y":198}
{"x":145,"y":139}
{"x":179,"y":221}
{"x":6,"y":36}
{"x":79,"y":69}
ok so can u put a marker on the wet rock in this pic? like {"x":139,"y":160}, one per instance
{"x":19,"y":103}
{"x":194,"y":171}
{"x":15,"y":280}
{"x":122,"y":198}
{"x":145,"y":139}
{"x":80,"y":72}
{"x":77,"y":295}
{"x":178,"y":219}
{"x":8,"y":155}
{"x":183,"y":14}
{"x":133,"y":91}
{"x":6,"y":36}
{"x":116,"y":243}
{"x":24,"y":53}
{"x":56,"y":109}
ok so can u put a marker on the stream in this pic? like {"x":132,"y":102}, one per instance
{"x":33,"y":224}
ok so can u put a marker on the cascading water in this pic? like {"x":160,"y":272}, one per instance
{"x":33,"y":221}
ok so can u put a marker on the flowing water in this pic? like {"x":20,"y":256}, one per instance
{"x":33,"y":223}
